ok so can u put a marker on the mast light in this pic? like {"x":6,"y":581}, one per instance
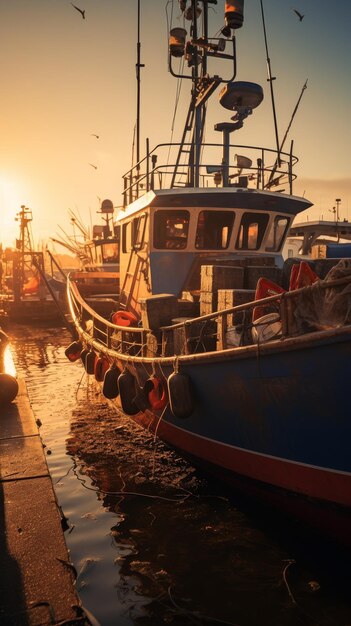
{"x":177,"y":41}
{"x":234,"y":13}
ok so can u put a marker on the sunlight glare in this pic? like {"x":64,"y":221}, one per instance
{"x":9,"y":365}
{"x":10,"y":204}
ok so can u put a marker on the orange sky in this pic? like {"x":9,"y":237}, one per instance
{"x":64,"y":78}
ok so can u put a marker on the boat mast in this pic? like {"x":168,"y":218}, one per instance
{"x":199,"y":109}
{"x":196,"y":51}
{"x":138,"y":66}
{"x":24,"y":217}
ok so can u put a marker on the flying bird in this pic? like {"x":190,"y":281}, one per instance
{"x":299,"y":15}
{"x":93,"y":135}
{"x":94,"y":166}
{"x":82,"y":12}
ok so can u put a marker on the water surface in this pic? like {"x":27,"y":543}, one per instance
{"x":155,"y":541}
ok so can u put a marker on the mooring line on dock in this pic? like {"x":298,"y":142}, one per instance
{"x":19,"y":437}
{"x":12,"y":480}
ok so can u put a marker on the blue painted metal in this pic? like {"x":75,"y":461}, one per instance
{"x":338,"y":250}
{"x":169,"y":270}
{"x":281,"y":404}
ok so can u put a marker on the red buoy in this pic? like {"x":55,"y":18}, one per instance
{"x":101,"y":366}
{"x":8,"y":389}
{"x":74,"y":351}
{"x":264,"y":289}
{"x":302,"y":276}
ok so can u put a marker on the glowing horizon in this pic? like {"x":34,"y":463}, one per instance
{"x":66,"y":80}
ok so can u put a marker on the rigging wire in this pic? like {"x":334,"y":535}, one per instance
{"x":169,"y":20}
{"x":270,"y":79}
{"x":133,"y":146}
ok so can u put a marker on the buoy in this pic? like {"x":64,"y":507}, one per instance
{"x":304,"y":277}
{"x":31,"y":286}
{"x":156,"y":394}
{"x":110,"y":385}
{"x":126,"y":386}
{"x":124,"y":318}
{"x":8,"y":389}
{"x":293,"y":276}
{"x":74,"y":351}
{"x":234,"y":13}
{"x":100,"y":368}
{"x":180,"y":395}
{"x":83,"y":355}
{"x":90,"y":362}
{"x":140,"y":398}
{"x":264,"y":289}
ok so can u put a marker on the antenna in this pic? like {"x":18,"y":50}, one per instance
{"x":276,"y":164}
{"x":270,"y":80}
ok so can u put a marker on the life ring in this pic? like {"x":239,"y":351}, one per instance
{"x":100,"y":368}
{"x":156,"y":393}
{"x":181,"y":399}
{"x":124,"y":318}
{"x":74,"y":351}
{"x":264,"y":289}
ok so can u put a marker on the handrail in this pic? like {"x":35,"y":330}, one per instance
{"x":262,"y":302}
{"x":76,"y":302}
{"x":93,"y":274}
{"x":136,"y":181}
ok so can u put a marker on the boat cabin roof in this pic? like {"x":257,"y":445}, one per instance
{"x":248,"y":199}
{"x":322,"y":227}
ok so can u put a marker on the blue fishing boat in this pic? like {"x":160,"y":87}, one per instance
{"x":232,"y":356}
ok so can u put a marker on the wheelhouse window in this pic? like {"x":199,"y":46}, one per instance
{"x":251,"y":232}
{"x":277,"y":233}
{"x":110,"y":252}
{"x":214,"y":229}
{"x":171,"y":229}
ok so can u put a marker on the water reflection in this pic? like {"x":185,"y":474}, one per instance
{"x":9,"y":364}
{"x":154,"y":541}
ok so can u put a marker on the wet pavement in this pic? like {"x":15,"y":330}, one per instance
{"x":36,"y":579}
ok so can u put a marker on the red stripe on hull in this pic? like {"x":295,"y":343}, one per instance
{"x":317,"y":483}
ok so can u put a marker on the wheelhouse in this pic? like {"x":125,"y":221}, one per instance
{"x":167,"y":236}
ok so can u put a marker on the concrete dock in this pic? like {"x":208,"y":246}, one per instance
{"x":36,"y":577}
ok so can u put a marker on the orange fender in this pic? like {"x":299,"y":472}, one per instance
{"x":31,"y":286}
{"x":264,"y":289}
{"x":101,"y":366}
{"x":74,"y":351}
{"x":305,"y":276}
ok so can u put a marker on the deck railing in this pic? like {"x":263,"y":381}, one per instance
{"x":267,"y":171}
{"x":208,"y":333}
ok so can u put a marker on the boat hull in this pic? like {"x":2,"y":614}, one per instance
{"x":281,"y":418}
